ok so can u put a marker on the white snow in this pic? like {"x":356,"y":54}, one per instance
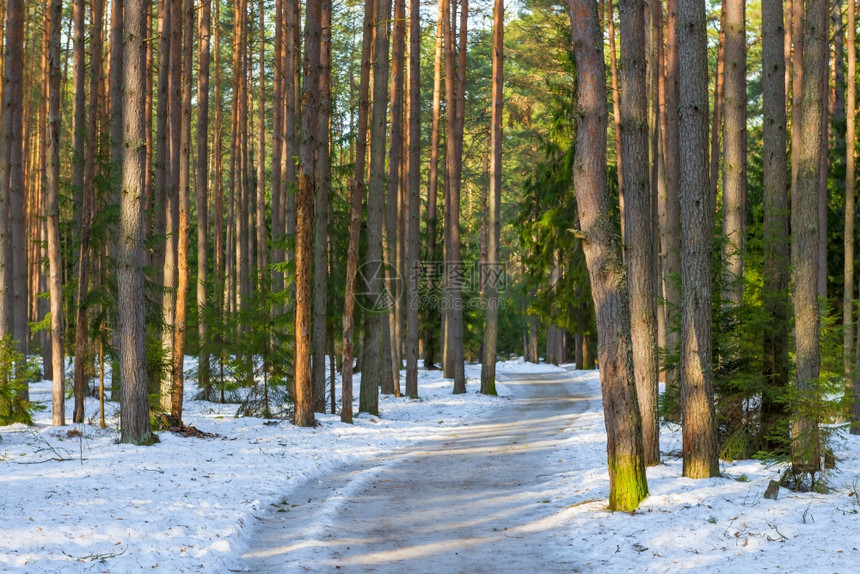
{"x":88,"y":504}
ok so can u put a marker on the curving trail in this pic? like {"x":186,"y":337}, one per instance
{"x":472,"y":502}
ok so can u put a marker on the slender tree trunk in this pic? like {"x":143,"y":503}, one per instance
{"x":171,"y":205}
{"x":162,"y":144}
{"x":180,"y":320}
{"x":697,"y":375}
{"x":14,"y":9}
{"x":638,"y":236}
{"x":850,"y":135}
{"x":304,"y":400}
{"x":616,"y":107}
{"x":321,"y":220}
{"x":202,"y":194}
{"x":804,"y":229}
{"x":278,"y":104}
{"x":88,"y":194}
{"x":735,"y":153}
{"x":116,"y":36}
{"x":627,"y":481}
{"x":776,"y":227}
{"x":134,"y":410}
{"x":719,"y":105}
{"x":373,"y":270}
{"x":850,"y":174}
{"x":670,"y":217}
{"x":391,"y":385}
{"x":455,"y":96}
{"x":432,"y":191}
{"x":52,"y":190}
{"x":491,"y":274}
{"x":356,"y":194}
{"x":824,"y":164}
{"x":413,"y":205}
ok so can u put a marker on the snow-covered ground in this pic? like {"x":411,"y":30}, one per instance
{"x":74,"y":500}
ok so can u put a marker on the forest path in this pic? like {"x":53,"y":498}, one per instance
{"x":475,"y":501}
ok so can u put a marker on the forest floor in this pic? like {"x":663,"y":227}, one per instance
{"x":445,"y":484}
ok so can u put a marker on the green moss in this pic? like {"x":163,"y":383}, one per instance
{"x":628,"y":485}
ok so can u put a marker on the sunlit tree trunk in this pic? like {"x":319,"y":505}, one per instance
{"x":304,"y":400}
{"x":413,"y":205}
{"x":670,"y":214}
{"x":489,"y":275}
{"x":627,"y":481}
{"x":638,"y":237}
{"x":432,"y":192}
{"x":53,"y":214}
{"x":134,"y":413}
{"x":805,"y":239}
{"x":201,"y":194}
{"x":321,"y":219}
{"x":356,"y":195}
{"x":697,"y":383}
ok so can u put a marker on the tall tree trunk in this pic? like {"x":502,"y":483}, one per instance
{"x":162,"y":144}
{"x":670,"y":215}
{"x":180,"y":319}
{"x":88,"y":195}
{"x":171,"y":205}
{"x":134,"y":410}
{"x":627,"y":481}
{"x":373,"y":270}
{"x":735,"y":150}
{"x":850,"y":135}
{"x":201,"y":194}
{"x":321,"y":220}
{"x":356,"y":195}
{"x":278,"y":104}
{"x":491,"y":274}
{"x":804,"y":229}
{"x":850,"y":174}
{"x":616,"y":107}
{"x":52,"y":190}
{"x":391,"y":384}
{"x":413,"y":205}
{"x":697,"y":375}
{"x":304,"y":400}
{"x":432,"y":193}
{"x":719,"y":105}
{"x":455,"y":70}
{"x":116,"y":35}
{"x":776,"y":227}
{"x":638,"y":236}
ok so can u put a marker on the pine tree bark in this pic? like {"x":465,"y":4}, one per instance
{"x":52,"y":190}
{"x":356,"y":195}
{"x":433,"y":317}
{"x":776,"y":227}
{"x":134,"y":410}
{"x":697,"y":375}
{"x":180,"y":319}
{"x":162,"y":143}
{"x":413,"y":206}
{"x":201,"y":194}
{"x":719,"y":105}
{"x":804,"y":230}
{"x":490,"y":275}
{"x":87,"y":198}
{"x":116,"y":35}
{"x":627,"y":482}
{"x":321,"y":219}
{"x":735,"y":150}
{"x":304,"y":400}
{"x":850,"y":173}
{"x":616,"y":107}
{"x":670,"y":215}
{"x":455,"y":96}
{"x":638,"y":236}
{"x":373,"y":270}
{"x":391,"y":385}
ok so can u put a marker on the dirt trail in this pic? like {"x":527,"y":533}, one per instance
{"x":474,"y":502}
